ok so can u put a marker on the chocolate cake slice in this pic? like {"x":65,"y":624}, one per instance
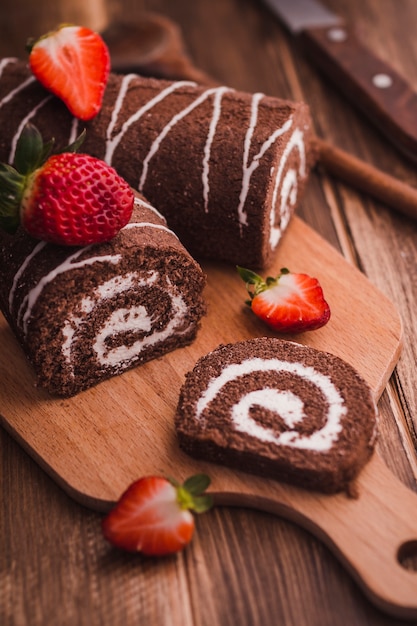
{"x":280,"y":410}
{"x":88,"y":313}
{"x":227,"y":169}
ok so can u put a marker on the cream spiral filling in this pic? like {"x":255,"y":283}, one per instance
{"x":284,"y":403}
{"x":145,"y":326}
{"x":288,"y":184}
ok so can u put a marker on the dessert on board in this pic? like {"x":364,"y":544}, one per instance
{"x":226,"y":169}
{"x":281,"y":410}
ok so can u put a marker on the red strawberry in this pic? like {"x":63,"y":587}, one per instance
{"x":289,"y":303}
{"x":153,"y":515}
{"x":73,"y":63}
{"x":67,"y":198}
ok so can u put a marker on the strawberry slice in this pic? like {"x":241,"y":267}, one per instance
{"x":289,"y":303}
{"x":153,"y":515}
{"x":72,"y":62}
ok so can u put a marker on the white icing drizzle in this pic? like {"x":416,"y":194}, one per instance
{"x":174,"y":120}
{"x":21,"y":270}
{"x":141,"y":203}
{"x":249,"y":169}
{"x":74,"y":130}
{"x":112,"y":143}
{"x":23,"y":123}
{"x":5,"y":62}
{"x":15,"y":91}
{"x":207,"y":148}
{"x":285,"y":403}
{"x":288,"y":193}
{"x":149,"y":225}
{"x":69,"y":264}
{"x":124,"y":85}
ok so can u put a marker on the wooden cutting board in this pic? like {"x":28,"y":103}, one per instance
{"x":96,"y":444}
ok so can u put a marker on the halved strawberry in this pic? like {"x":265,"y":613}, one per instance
{"x":289,"y":302}
{"x":153,"y":515}
{"x":67,"y":198}
{"x":72,"y":62}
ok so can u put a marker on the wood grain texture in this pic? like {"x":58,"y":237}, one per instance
{"x":244,"y":566}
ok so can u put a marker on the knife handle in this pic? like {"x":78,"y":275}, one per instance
{"x":364,"y":177}
{"x":382,"y":94}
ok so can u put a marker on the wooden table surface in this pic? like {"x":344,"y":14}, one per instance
{"x":243,"y":567}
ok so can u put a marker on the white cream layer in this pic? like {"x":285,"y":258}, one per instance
{"x":287,"y":187}
{"x":137,"y":319}
{"x":285,"y":403}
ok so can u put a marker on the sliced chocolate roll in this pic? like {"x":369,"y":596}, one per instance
{"x":280,"y":410}
{"x":227,"y":169}
{"x":85,"y":314}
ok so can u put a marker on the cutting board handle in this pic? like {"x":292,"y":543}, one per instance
{"x":369,"y":534}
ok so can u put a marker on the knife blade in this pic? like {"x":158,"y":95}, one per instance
{"x":370,"y":83}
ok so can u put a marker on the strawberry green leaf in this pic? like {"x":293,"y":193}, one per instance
{"x":201,"y":504}
{"x":9,"y":224}
{"x":251,"y":278}
{"x":11,"y":189}
{"x":30,"y":42}
{"x":248,"y":276}
{"x":76,"y":145}
{"x":29,"y":150}
{"x":189,"y":494}
{"x":9,"y":177}
{"x":32,"y":152}
{"x":197,"y":484}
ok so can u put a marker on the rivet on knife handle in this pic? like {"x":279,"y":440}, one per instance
{"x":382,"y":94}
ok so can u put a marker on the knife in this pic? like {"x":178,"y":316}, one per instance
{"x":371,"y":84}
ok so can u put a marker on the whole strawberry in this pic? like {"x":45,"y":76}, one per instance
{"x":68,"y":198}
{"x":153,"y":515}
{"x":72,"y":62}
{"x":289,"y":302}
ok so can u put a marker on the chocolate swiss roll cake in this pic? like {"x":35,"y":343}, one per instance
{"x":85,"y":314}
{"x":225,"y":168}
{"x":280,"y":410}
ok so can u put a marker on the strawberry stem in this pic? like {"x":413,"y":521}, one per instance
{"x":31,"y":154}
{"x":197,"y":484}
{"x":255,"y":284}
{"x":191,"y":496}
